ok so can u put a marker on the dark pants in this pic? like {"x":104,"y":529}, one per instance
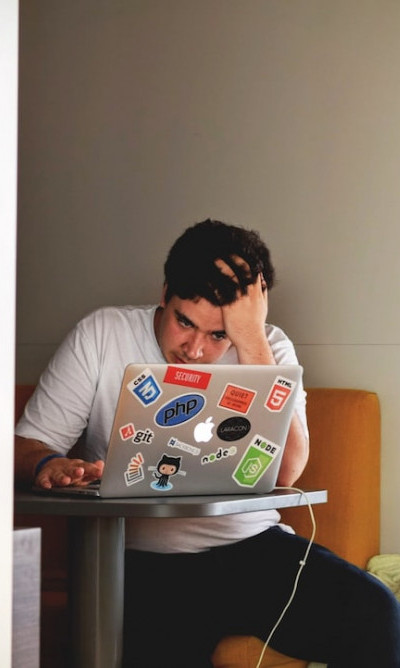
{"x":177,"y":607}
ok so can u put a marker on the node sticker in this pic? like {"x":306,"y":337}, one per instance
{"x":257,"y":458}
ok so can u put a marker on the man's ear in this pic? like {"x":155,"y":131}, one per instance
{"x":163,"y":303}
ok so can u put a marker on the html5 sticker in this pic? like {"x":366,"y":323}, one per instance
{"x":279,"y":393}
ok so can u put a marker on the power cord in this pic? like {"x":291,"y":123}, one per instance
{"x":302,"y":563}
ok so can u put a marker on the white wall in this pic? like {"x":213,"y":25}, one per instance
{"x":140,"y":117}
{"x":8,"y":191}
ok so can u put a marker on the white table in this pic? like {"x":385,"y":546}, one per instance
{"x":97,"y":536}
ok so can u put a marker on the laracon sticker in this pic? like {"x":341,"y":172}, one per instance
{"x":279,"y":393}
{"x":233,"y":428}
{"x":236,"y":398}
{"x":134,"y":472}
{"x":145,"y":388}
{"x":187,"y":377}
{"x":257,"y":458}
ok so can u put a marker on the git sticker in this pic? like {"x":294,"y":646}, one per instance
{"x":279,"y":393}
{"x":127,"y":431}
{"x":236,"y":398}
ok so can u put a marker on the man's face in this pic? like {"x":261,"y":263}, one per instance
{"x":190,"y":331}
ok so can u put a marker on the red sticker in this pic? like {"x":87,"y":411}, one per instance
{"x":236,"y":398}
{"x":187,"y":377}
{"x":127,"y":431}
{"x":279,"y":393}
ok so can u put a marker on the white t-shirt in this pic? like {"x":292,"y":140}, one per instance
{"x":77,"y":395}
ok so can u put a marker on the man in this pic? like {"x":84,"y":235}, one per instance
{"x":190,"y":581}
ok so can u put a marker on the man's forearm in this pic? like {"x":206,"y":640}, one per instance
{"x":28,"y":453}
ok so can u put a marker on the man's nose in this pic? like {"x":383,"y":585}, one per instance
{"x":194,"y":346}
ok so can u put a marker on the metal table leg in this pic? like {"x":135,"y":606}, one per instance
{"x":97,"y":591}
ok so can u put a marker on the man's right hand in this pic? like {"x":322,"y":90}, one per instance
{"x":62,"y":471}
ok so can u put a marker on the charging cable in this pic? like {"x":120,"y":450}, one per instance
{"x":302,"y":563}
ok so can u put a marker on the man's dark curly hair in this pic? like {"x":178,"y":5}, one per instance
{"x":190,"y":271}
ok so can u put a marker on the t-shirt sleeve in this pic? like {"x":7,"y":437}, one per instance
{"x":58,"y":411}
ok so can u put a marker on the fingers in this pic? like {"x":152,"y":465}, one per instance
{"x":62,"y":472}
{"x":240,"y":273}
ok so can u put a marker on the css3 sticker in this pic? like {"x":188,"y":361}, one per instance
{"x":145,"y":388}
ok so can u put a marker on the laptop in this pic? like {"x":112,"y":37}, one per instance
{"x":201,"y":429}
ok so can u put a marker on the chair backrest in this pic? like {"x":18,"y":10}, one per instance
{"x":345,"y":451}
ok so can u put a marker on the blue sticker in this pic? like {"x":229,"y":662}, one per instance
{"x":179,"y":410}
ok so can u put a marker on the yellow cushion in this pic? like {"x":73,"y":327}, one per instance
{"x":243,"y":651}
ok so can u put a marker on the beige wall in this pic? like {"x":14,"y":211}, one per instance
{"x":140,"y":117}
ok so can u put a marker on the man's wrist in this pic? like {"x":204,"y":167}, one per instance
{"x":43,"y":461}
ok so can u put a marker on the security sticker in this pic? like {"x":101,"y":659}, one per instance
{"x":187,"y":377}
{"x":134,"y":472}
{"x":145,"y":388}
{"x":236,"y":398}
{"x":279,"y":393}
{"x":257,"y":458}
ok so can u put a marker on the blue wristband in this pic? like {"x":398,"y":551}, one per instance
{"x":43,"y":461}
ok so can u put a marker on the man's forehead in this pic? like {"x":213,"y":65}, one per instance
{"x":201,"y":313}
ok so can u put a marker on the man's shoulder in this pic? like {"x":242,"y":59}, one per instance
{"x":110,"y":315}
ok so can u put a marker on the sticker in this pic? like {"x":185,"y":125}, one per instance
{"x":145,"y":388}
{"x":174,"y":443}
{"x":187,"y":377}
{"x":203,"y":431}
{"x":166,"y":468}
{"x":236,"y":398}
{"x":221,"y":454}
{"x":134,"y":472}
{"x":257,"y":458}
{"x":233,"y":428}
{"x":143,"y":436}
{"x":179,"y":410}
{"x":279,"y":393}
{"x":127,"y":431}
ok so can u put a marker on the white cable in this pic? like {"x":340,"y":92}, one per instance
{"x":302,"y":563}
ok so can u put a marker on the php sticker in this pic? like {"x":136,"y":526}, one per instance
{"x":279,"y":393}
{"x":179,"y":410}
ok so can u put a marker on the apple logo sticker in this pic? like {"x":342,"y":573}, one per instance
{"x":203,"y":430}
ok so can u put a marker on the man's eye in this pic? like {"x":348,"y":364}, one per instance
{"x":219,"y":336}
{"x":183,"y":321}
